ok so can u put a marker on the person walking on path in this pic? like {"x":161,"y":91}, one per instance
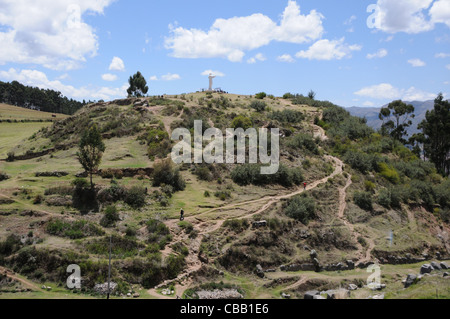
{"x":304,"y":185}
{"x":182,"y":215}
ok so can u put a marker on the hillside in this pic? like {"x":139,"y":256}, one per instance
{"x":372,"y":113}
{"x":15,"y":113}
{"x":247,"y":235}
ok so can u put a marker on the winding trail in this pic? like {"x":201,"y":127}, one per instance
{"x":29,"y":284}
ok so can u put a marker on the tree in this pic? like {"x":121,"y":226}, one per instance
{"x":138,"y":85}
{"x":312,"y":95}
{"x":396,"y":119}
{"x":91,"y":150}
{"x":436,"y":135}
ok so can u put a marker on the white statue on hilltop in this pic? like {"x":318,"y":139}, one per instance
{"x":211,"y":77}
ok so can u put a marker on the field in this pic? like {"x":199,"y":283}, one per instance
{"x":10,"y":112}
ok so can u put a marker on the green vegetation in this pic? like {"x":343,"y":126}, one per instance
{"x":73,"y":230}
{"x":138,"y":85}
{"x":301,"y":208}
{"x":91,"y":151}
{"x":165,"y":173}
{"x":250,"y":174}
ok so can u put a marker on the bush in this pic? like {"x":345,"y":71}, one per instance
{"x":10,"y":157}
{"x":135,"y":197}
{"x":241,"y":122}
{"x":223,"y":195}
{"x":165,"y":173}
{"x":370,"y":186}
{"x":259,"y":106}
{"x":261,"y":96}
{"x":3,"y":177}
{"x":110,"y":217}
{"x":237,"y":225}
{"x":159,"y":233}
{"x":389,"y":173}
{"x":287,"y":116}
{"x":301,"y":208}
{"x":363,"y":200}
{"x":304,"y":142}
{"x":38,"y":199}
{"x":204,"y":174}
{"x":251,"y":174}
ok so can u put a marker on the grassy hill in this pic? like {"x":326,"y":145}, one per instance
{"x":360,"y":188}
{"x":10,"y":112}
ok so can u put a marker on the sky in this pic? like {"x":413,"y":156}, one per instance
{"x":350,"y":52}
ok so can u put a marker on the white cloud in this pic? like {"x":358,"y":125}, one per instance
{"x":368,"y":103}
{"x":448,"y":66}
{"x":259,"y":57}
{"x":389,"y":92}
{"x":408,"y":16}
{"x":381,"y":53}
{"x":109,"y":77}
{"x":117,"y":65}
{"x":442,"y":55}
{"x":48,"y":33}
{"x":40,"y":79}
{"x":286,"y":58}
{"x":215,"y":73}
{"x":440,"y":12}
{"x":154,"y":78}
{"x":417,"y":63}
{"x":328,"y":50}
{"x":171,"y":77}
{"x":231,"y":38}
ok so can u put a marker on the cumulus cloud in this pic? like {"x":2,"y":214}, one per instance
{"x":48,"y":33}
{"x":39,"y":79}
{"x":389,"y":92}
{"x":215,"y":73}
{"x":231,"y":38}
{"x":328,"y":50}
{"x":259,"y":57}
{"x":411,"y":16}
{"x":442,"y":55}
{"x":117,"y":65}
{"x":417,"y":63}
{"x":171,"y":77}
{"x":286,"y":58}
{"x":440,"y":12}
{"x":109,"y":77}
{"x":381,"y":53}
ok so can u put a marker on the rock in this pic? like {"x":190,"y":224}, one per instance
{"x":219,"y":294}
{"x":435,"y":265}
{"x":102,"y":289}
{"x":352,"y":287}
{"x":285,"y":296}
{"x":411,"y":280}
{"x":378,"y":297}
{"x":426,"y":269}
{"x":283,"y":268}
{"x":310,"y":294}
{"x":446,"y":274}
{"x":128,"y":295}
{"x":444,"y":265}
{"x":260,"y":271}
{"x":313,"y":254}
{"x":338,"y":294}
{"x":318,"y":297}
{"x":136,"y":295}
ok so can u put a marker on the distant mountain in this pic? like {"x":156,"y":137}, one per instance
{"x":371,"y":114}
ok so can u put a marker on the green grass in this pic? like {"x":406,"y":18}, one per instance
{"x":10,"y":112}
{"x":12,"y":134}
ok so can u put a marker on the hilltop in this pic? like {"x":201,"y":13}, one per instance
{"x":256,"y":236}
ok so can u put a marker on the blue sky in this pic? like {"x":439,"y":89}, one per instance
{"x":88,"y":49}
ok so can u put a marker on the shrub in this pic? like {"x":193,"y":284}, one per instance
{"x":287,"y":116}
{"x":370,"y":186}
{"x":204,"y":174}
{"x":261,"y":96}
{"x":259,"y":106}
{"x":389,"y":173}
{"x":207,"y":194}
{"x":135,"y":197}
{"x":251,"y":174}
{"x":363,"y":200}
{"x":304,"y":142}
{"x":186,"y":226}
{"x":158,"y":233}
{"x":3,"y":177}
{"x":223,"y":195}
{"x":38,"y":199}
{"x":110,"y":217}
{"x":241,"y":122}
{"x":165,"y":173}
{"x":10,"y":157}
{"x":301,"y":208}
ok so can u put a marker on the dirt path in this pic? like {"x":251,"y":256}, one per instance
{"x":31,"y":207}
{"x":26,"y":283}
{"x":193,"y":262}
